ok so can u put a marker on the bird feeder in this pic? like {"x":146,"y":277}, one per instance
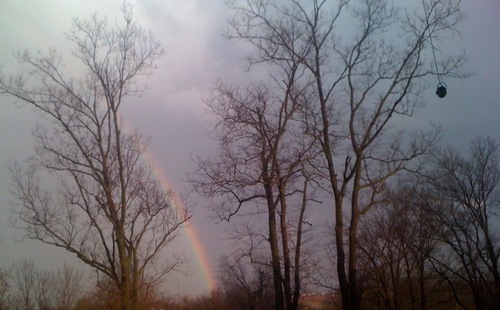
{"x":441,"y":87}
{"x":441,"y":90}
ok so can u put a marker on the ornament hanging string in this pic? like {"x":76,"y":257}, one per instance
{"x":432,"y":44}
{"x":441,"y":91}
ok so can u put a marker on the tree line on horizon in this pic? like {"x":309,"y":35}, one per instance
{"x":413,"y":224}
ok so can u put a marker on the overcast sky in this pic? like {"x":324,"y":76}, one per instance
{"x":197,"y":55}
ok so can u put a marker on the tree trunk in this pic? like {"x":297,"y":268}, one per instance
{"x":124,"y":261}
{"x":286,"y":253}
{"x":275,"y":255}
{"x":296,"y":293}
{"x":339,"y":243}
{"x":353,"y":261}
{"x":353,"y":240}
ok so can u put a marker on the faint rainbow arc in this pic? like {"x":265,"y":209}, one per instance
{"x":189,"y":228}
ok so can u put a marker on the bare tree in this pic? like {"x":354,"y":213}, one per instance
{"x":34,"y":288}
{"x":44,"y":290}
{"x":396,"y":243}
{"x":262,"y":168}
{"x":5,"y":289}
{"x":68,"y":287}
{"x":103,"y":203}
{"x":24,"y":277}
{"x":362,"y":83}
{"x":103,"y":294}
{"x":246,"y":285}
{"x":465,"y":201}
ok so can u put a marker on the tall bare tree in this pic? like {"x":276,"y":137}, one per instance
{"x":103,"y":203}
{"x":465,"y":202}
{"x":363,"y":79}
{"x":262,"y":168}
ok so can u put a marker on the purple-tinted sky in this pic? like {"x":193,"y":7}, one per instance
{"x":173,"y":113}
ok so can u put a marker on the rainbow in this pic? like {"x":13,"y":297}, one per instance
{"x":189,"y":228}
